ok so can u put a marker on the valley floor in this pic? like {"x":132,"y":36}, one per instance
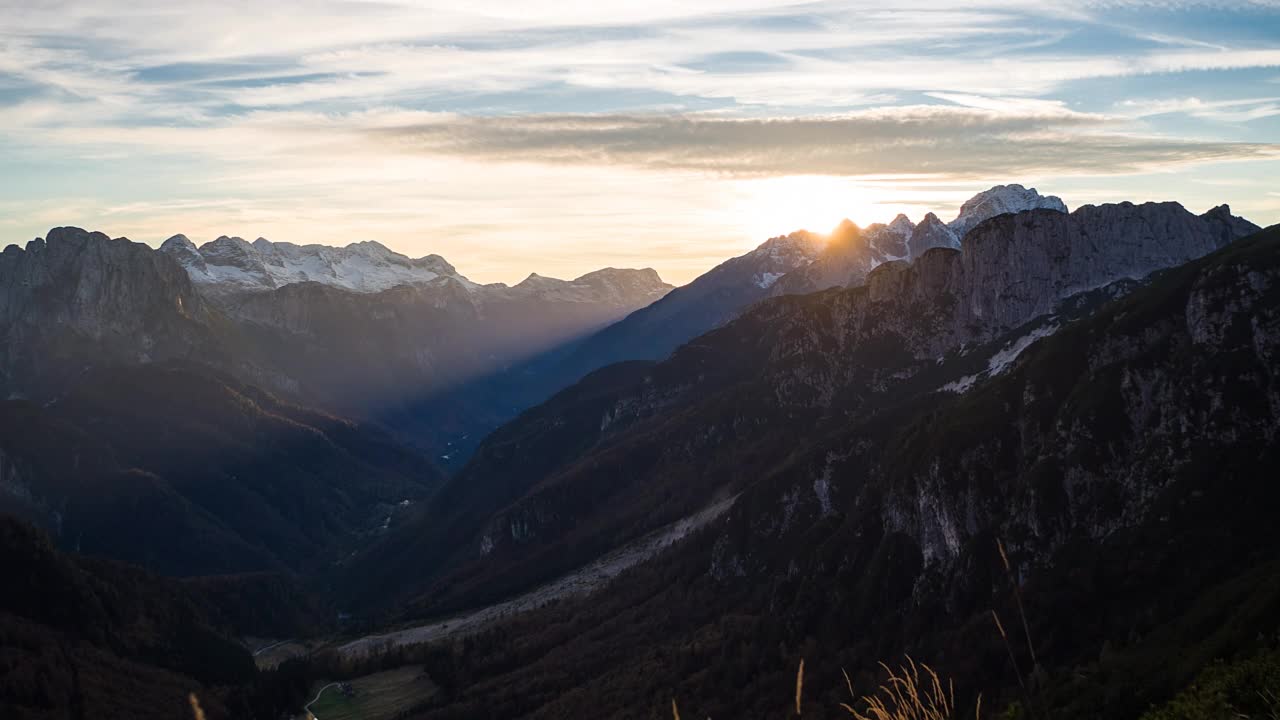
{"x":583,"y":581}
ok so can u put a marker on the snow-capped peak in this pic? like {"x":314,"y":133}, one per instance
{"x":177,"y":241}
{"x":999,"y":200}
{"x":184,"y":251}
{"x":231,"y":264}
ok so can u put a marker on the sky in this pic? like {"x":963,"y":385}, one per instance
{"x":560,"y":136}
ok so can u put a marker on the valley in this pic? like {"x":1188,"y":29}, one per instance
{"x":583,"y":581}
{"x":813,"y":451}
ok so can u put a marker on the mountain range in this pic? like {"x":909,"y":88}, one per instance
{"x":863,"y":440}
{"x":1121,"y":462}
{"x":799,"y":262}
{"x":360,"y":331}
{"x":675,"y":436}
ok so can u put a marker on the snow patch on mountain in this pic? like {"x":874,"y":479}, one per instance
{"x":1001,"y":361}
{"x":765,"y":280}
{"x":233,"y":264}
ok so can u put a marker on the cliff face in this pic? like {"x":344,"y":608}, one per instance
{"x":1018,"y":266}
{"x":1013,"y":270}
{"x":77,"y":298}
{"x":93,"y":285}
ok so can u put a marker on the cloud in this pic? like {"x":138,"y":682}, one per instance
{"x":1007,"y":139}
{"x":431,"y":123}
{"x":148,"y":57}
{"x":1237,"y":110}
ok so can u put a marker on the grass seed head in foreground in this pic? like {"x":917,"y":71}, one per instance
{"x":906,"y":695}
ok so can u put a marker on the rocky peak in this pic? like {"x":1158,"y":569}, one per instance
{"x":931,"y":233}
{"x":890,"y":242}
{"x":850,"y":253}
{"x":625,"y":285}
{"x":778,"y":256}
{"x":1230,"y":225}
{"x":800,"y":243}
{"x":178,"y":242}
{"x":231,"y":251}
{"x":608,"y":286}
{"x":999,"y":200}
{"x":846,"y":228}
{"x":902,"y":225}
{"x":181,"y":249}
{"x":534,"y":281}
{"x":435,"y":264}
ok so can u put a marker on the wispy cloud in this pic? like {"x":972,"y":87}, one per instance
{"x":388,"y":118}
{"x":962,"y":141}
{"x":1239,"y":110}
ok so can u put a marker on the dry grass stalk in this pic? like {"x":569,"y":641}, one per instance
{"x":196,"y":711}
{"x":799,"y":685}
{"x":1012,"y":658}
{"x":675,"y":710}
{"x":908,"y":695}
{"x":1017,"y":597}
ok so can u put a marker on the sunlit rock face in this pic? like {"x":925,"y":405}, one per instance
{"x":999,"y":200}
{"x":851,"y":252}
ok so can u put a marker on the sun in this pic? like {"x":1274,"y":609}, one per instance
{"x":777,"y":206}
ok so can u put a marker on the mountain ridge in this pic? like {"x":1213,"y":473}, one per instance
{"x":230,"y":265}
